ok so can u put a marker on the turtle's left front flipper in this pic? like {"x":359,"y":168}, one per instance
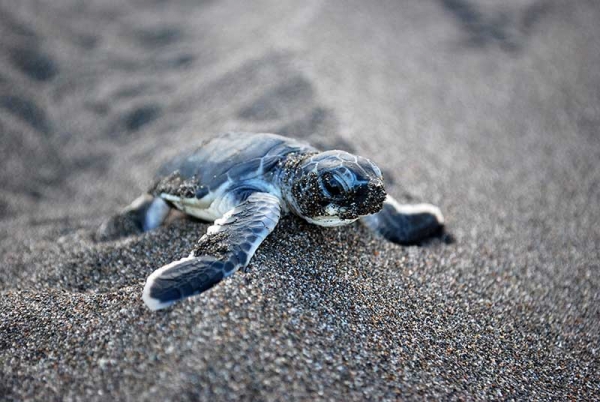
{"x":406,"y":224}
{"x":228,"y":245}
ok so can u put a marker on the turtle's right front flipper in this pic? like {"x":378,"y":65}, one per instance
{"x":227,"y":246}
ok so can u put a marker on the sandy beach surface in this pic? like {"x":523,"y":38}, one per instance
{"x":490,"y":110}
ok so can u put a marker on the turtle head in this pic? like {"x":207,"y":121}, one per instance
{"x":335,"y":188}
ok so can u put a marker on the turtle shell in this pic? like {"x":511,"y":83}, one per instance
{"x":234,"y":157}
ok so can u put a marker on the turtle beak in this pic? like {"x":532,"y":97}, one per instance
{"x":370,"y":197}
{"x":377,"y":194}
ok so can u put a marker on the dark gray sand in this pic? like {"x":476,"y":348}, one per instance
{"x":490,"y":110}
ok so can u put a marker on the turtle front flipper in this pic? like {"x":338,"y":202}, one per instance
{"x":406,"y":224}
{"x":228,"y":245}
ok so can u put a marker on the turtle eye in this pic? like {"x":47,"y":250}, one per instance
{"x":332,"y":185}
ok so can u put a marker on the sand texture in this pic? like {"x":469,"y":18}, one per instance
{"x":490,"y":110}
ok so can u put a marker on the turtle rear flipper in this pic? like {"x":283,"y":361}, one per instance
{"x":228,"y":245}
{"x":143,"y":214}
{"x":406,"y":224}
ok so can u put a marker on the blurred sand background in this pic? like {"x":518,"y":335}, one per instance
{"x":489,"y":109}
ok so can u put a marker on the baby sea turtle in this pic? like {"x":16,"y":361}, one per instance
{"x":244,"y":182}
